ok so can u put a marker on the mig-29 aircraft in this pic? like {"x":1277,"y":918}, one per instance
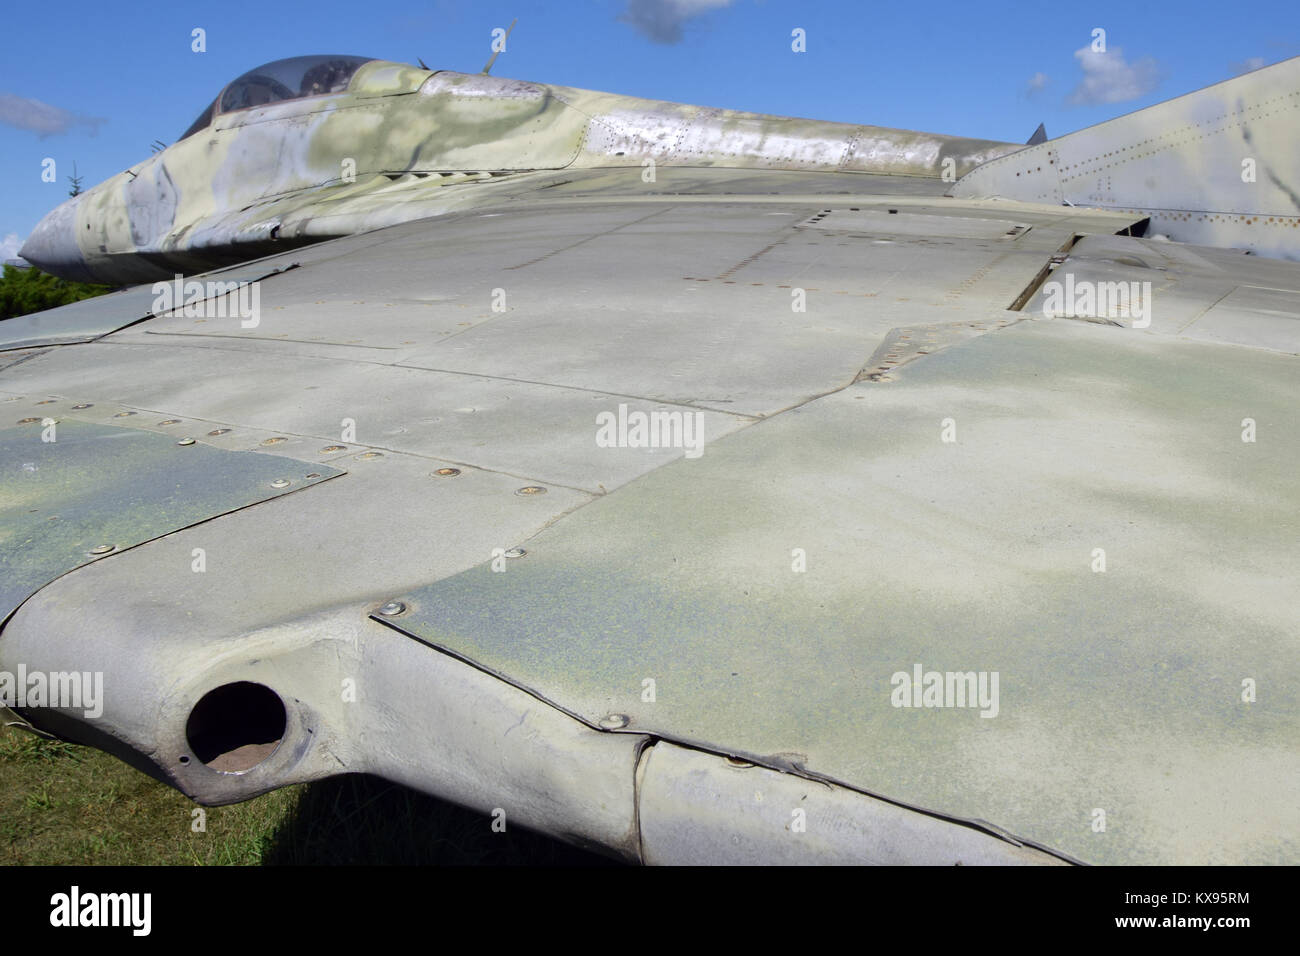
{"x":694,"y":485}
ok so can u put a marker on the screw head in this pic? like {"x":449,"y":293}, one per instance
{"x":186,"y":441}
{"x":528,"y":490}
{"x":84,"y":405}
{"x":392,"y":609}
{"x":280,"y":483}
{"x":171,"y":421}
{"x":219,"y":431}
{"x":447,"y":472}
{"x":368,"y":455}
{"x":124,"y":414}
{"x":330,"y":449}
{"x":516,"y":553}
{"x":273,"y":441}
{"x":46,"y":401}
{"x":103,"y":549}
{"x":614,"y":721}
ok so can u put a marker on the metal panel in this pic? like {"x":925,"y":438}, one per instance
{"x":1120,"y":691}
{"x":702,"y":809}
{"x":97,"y":490}
{"x":1250,"y":315}
{"x":537,"y":432}
{"x":89,"y":319}
{"x":684,"y":574}
{"x":1214,"y":295}
{"x":78,"y":321}
{"x":1215,"y":167}
{"x":896,"y":222}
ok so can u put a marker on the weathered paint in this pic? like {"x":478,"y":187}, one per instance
{"x":1217,"y":167}
{"x":75,"y":486}
{"x":228,"y":188}
{"x":677,"y":295}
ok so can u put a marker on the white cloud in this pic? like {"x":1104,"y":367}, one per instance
{"x":1249,"y":65}
{"x":662,"y":20}
{"x":9,"y":246}
{"x":1109,"y":78}
{"x":1037,"y":82}
{"x":41,"y":118}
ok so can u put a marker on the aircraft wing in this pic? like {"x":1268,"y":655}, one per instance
{"x":422,"y":529}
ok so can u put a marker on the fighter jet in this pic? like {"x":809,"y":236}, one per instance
{"x":693,"y":485}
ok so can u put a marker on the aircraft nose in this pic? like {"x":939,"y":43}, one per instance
{"x":52,"y":246}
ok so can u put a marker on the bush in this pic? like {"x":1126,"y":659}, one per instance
{"x":23,"y":291}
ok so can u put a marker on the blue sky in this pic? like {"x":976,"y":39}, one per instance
{"x":95,"y":82}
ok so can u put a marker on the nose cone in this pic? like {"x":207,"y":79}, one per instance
{"x":52,"y":246}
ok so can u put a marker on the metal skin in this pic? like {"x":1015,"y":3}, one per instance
{"x":385,"y":150}
{"x":82,"y":493}
{"x":475,"y":605}
{"x":1215,"y":167}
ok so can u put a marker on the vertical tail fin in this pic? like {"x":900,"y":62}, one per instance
{"x":1219,"y":167}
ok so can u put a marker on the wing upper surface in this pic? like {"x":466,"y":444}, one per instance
{"x":822,"y":335}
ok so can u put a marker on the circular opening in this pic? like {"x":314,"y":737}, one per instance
{"x":236,"y":726}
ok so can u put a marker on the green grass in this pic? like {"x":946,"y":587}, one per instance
{"x":65,"y":804}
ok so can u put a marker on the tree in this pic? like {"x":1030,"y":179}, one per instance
{"x":23,"y":291}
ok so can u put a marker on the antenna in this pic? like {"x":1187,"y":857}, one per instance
{"x":495,"y":53}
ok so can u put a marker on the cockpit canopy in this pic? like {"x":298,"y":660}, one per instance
{"x":291,"y":79}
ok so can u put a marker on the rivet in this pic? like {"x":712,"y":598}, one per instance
{"x":392,"y":609}
{"x":171,"y":421}
{"x":273,"y":441}
{"x":87,"y":405}
{"x":27,"y":421}
{"x":447,"y":472}
{"x":314,"y":474}
{"x":330,"y":449}
{"x":124,"y":414}
{"x":368,"y":455}
{"x":280,"y":483}
{"x":186,"y":441}
{"x":614,"y":721}
{"x":516,"y":553}
{"x":219,"y":431}
{"x":531,"y":490}
{"x":46,"y":401}
{"x":103,"y":549}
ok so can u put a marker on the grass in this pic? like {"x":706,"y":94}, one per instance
{"x":63,"y":804}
